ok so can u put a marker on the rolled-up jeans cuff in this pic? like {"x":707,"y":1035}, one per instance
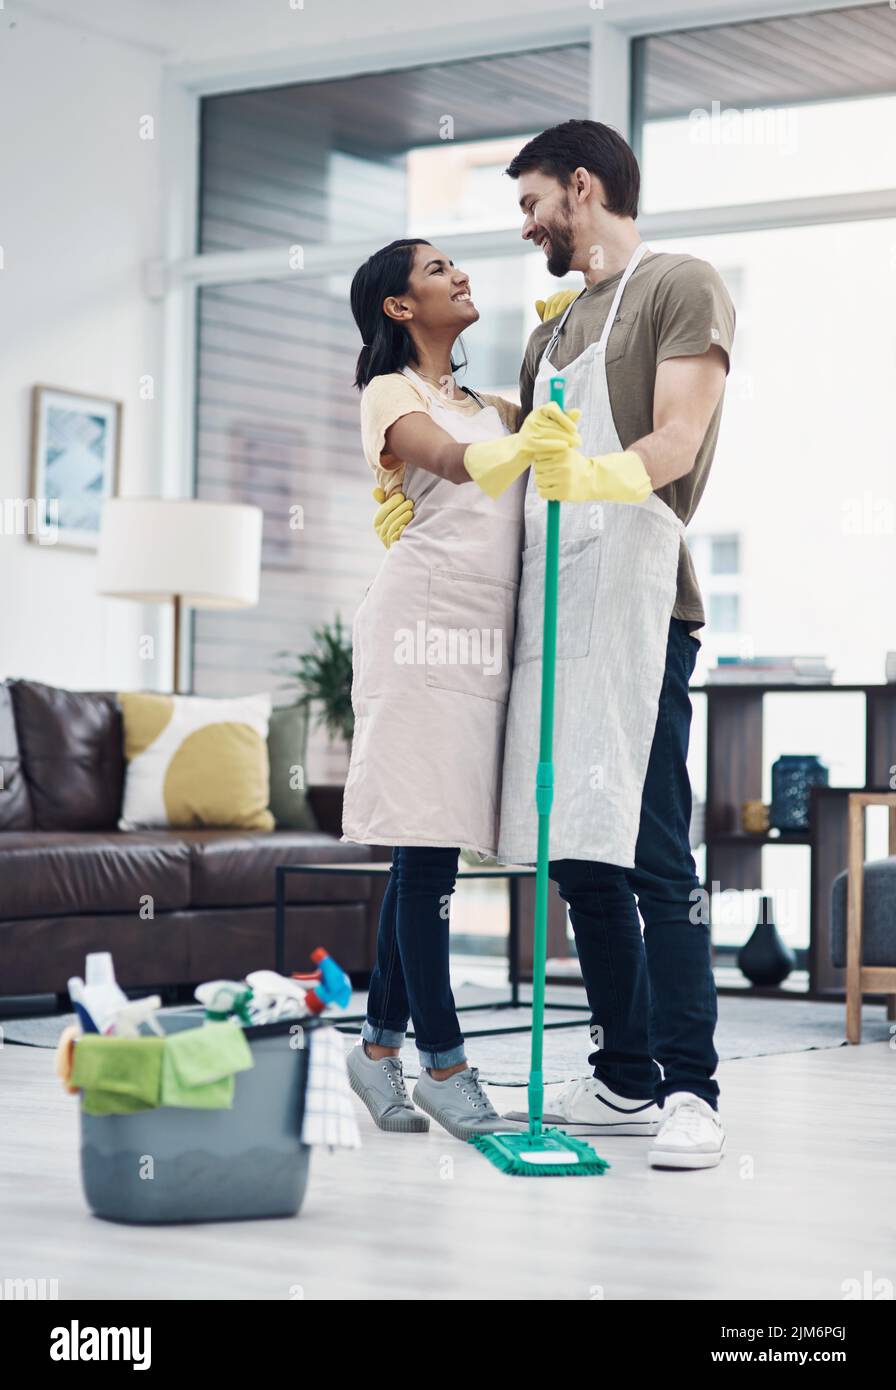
{"x":383,"y":1037}
{"x":445,"y":1057}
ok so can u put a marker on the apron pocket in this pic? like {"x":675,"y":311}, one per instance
{"x":470,"y":621}
{"x":576,"y":592}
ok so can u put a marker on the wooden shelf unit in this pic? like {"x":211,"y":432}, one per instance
{"x":734,"y":765}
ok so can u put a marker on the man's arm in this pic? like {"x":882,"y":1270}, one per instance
{"x":685,"y":395}
{"x":686,"y":392}
{"x":694,"y":321}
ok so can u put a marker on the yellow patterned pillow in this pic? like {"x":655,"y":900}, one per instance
{"x":192,"y":761}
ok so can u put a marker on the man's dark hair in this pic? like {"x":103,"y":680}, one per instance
{"x":587,"y":145}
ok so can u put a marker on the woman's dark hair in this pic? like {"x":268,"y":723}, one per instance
{"x":388,"y":346}
{"x":587,"y":145}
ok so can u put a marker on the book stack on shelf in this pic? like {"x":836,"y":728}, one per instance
{"x":770,"y":670}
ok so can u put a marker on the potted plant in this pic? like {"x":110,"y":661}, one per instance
{"x":323,"y":675}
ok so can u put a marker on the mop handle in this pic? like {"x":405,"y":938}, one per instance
{"x":544,"y":795}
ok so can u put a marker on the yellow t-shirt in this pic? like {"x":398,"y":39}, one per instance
{"x":386,"y":398}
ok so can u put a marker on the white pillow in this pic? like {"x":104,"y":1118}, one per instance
{"x":195,"y":761}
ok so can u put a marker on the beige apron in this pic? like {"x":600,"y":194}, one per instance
{"x":617,"y":587}
{"x":431,"y":658}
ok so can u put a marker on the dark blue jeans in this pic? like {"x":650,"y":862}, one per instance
{"x":411,"y":978}
{"x":653,"y":998}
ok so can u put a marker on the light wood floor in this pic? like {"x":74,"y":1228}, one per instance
{"x":802,"y":1201}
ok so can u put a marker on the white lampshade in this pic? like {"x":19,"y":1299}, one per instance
{"x":208,"y":554}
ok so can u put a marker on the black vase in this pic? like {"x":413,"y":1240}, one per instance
{"x":764,"y":959}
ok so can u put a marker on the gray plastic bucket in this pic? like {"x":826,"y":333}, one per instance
{"x":175,"y":1164}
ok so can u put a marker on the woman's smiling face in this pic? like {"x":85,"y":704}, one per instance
{"x":438,"y":294}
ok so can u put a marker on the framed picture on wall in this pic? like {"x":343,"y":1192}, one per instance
{"x":75,"y":457}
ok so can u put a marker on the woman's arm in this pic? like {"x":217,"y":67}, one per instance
{"x":417,"y":439}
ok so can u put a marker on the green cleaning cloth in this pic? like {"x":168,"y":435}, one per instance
{"x":199,"y":1065}
{"x":118,"y":1076}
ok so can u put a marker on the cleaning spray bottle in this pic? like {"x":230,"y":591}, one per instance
{"x":128,"y":1020}
{"x":97,"y":998}
{"x":224,"y":998}
{"x":334,"y":985}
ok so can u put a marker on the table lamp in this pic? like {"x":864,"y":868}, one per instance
{"x":184,"y":551}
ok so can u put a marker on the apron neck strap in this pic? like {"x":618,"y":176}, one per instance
{"x":639,"y":251}
{"x":563,"y":317}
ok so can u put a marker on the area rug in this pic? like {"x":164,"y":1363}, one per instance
{"x":747,"y":1028}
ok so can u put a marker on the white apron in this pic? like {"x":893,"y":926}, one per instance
{"x":431,"y":661}
{"x":617,"y":587}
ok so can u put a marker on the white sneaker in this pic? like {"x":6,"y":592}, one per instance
{"x":691,"y":1135}
{"x":588,"y":1106}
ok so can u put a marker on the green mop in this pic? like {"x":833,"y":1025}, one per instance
{"x":541,"y":1152}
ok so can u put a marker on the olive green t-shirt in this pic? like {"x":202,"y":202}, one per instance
{"x":673,"y":306}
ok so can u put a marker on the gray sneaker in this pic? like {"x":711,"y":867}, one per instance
{"x":458,"y":1104}
{"x":381,"y":1087}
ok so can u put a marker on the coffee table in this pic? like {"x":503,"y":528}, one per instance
{"x":512,"y":873}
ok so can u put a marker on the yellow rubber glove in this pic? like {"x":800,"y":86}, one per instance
{"x":555,"y":304}
{"x":570,"y":477}
{"x":496,"y":463}
{"x":392,"y":517}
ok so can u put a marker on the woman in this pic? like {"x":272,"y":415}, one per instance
{"x":432,"y":651}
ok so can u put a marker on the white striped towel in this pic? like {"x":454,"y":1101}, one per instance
{"x":329,"y":1113}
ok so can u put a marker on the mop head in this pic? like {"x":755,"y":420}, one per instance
{"x":550,"y":1154}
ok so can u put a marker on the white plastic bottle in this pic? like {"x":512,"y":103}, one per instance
{"x":99,"y":996}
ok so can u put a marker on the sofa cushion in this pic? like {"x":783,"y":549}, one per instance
{"x":878,"y":915}
{"x":194,"y":760}
{"x":287,"y":750}
{"x":230,"y":868}
{"x":49,"y":873}
{"x":15,"y":802}
{"x":71,"y":747}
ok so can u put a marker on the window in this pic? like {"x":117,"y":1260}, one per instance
{"x":724,"y":613}
{"x":788,"y":121}
{"x":768,"y":109}
{"x":716,"y":156}
{"x":717,"y":564}
{"x":809,"y":393}
{"x":319,"y":166}
{"x":724,"y":555}
{"x":360,"y":159}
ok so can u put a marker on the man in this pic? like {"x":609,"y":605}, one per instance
{"x":644,"y":351}
{"x":654,"y":376}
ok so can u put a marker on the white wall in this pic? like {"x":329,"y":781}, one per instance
{"x":80,"y":216}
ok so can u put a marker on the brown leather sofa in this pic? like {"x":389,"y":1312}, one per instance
{"x":72,"y":882}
